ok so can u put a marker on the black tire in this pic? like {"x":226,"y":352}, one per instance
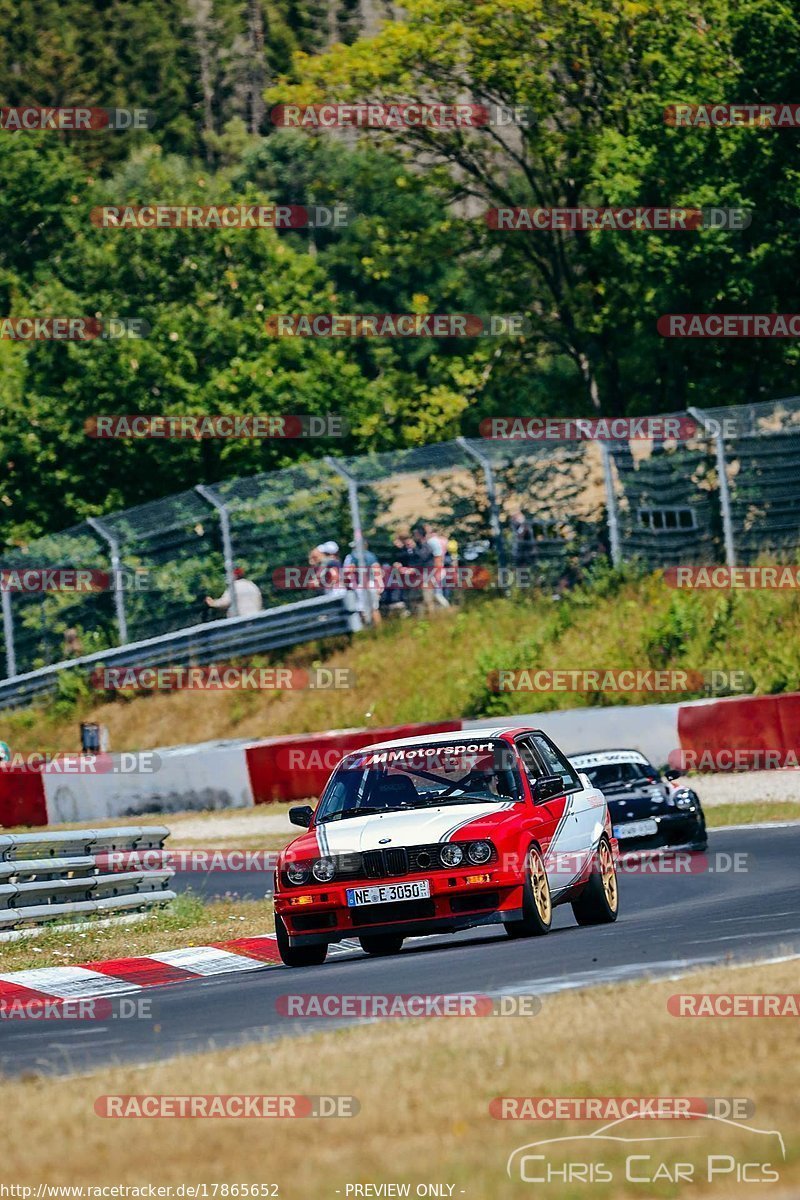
{"x":598,"y":903}
{"x":381,"y":945}
{"x":298,"y":956}
{"x":537,"y":903}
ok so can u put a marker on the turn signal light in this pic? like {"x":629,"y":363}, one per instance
{"x":478,"y":879}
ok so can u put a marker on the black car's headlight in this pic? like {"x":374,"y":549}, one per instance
{"x":324,"y":869}
{"x":297,"y":872}
{"x":479,"y":852}
{"x":684,"y":798}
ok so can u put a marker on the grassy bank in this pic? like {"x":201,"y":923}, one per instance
{"x":438,"y":667}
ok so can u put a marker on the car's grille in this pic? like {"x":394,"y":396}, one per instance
{"x":380,"y":914}
{"x":394,"y":861}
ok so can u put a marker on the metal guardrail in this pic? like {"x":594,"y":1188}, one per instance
{"x":273,"y":629}
{"x":44,"y":876}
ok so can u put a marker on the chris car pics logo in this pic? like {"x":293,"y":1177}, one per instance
{"x":634,"y":1156}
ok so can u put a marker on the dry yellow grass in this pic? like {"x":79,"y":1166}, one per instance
{"x":424,"y":1088}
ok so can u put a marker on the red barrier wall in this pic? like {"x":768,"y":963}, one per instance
{"x":743,"y":723}
{"x":297,"y":768}
{"x":22,"y":799}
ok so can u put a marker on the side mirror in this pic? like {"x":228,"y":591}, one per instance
{"x":671,"y":773}
{"x":547,"y":786}
{"x":301,"y":815}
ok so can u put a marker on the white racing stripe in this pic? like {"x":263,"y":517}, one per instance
{"x":70,"y":983}
{"x":414,"y":827}
{"x":207,"y":960}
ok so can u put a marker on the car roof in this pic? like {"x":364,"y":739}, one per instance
{"x":616,"y":750}
{"x":453,"y":737}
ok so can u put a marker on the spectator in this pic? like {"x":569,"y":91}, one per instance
{"x":395,"y":596}
{"x":248,"y":597}
{"x":438,"y":548}
{"x":329,"y":566}
{"x":369,"y":587}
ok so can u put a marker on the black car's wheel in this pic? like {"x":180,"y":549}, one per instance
{"x":598,"y":903}
{"x":298,"y":956}
{"x":537,"y":905}
{"x":381,"y":944}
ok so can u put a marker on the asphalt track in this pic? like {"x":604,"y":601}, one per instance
{"x":667,"y":922}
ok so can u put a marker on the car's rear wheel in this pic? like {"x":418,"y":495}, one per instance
{"x":379,"y":945}
{"x":598,"y":903}
{"x":537,"y":904}
{"x":298,"y":956}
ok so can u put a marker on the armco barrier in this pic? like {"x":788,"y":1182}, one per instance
{"x":743,"y":723}
{"x":47,"y":876}
{"x":297,"y":768}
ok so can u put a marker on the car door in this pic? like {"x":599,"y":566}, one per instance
{"x":579,"y":825}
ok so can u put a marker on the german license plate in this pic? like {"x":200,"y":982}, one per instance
{"x":636,"y":829}
{"x":387,"y":893}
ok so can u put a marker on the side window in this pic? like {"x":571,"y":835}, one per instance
{"x":532,"y":768}
{"x":554,"y":763}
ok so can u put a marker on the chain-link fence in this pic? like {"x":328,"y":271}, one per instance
{"x":727,"y":492}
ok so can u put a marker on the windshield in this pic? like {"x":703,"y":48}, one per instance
{"x":422,"y":776}
{"x":611,"y":775}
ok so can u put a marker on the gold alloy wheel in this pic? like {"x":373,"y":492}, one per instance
{"x":540,"y":887}
{"x":609,"y":876}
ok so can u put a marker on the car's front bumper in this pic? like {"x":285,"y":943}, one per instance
{"x":458,"y":900}
{"x":675,"y":831}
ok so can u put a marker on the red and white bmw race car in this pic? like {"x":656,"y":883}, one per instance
{"x":437,"y":834}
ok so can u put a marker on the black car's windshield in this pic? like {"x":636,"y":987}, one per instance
{"x":618,"y":775}
{"x":420,"y":776}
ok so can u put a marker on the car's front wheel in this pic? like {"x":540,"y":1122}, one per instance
{"x":380,"y":945}
{"x":298,"y":956}
{"x":598,"y":903}
{"x":537,"y":904}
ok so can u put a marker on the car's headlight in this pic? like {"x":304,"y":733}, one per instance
{"x":479,"y":852}
{"x":684,"y":798}
{"x":297,"y":872}
{"x":451,"y":854}
{"x":324,"y":869}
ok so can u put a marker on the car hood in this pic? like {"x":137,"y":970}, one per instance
{"x":640,"y":801}
{"x":412,"y":827}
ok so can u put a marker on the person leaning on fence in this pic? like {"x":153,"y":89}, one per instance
{"x":367,"y":582}
{"x":248,"y":597}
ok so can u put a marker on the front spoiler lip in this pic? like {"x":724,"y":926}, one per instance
{"x":418,"y":928}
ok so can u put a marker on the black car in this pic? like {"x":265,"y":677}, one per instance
{"x":648,"y":811}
